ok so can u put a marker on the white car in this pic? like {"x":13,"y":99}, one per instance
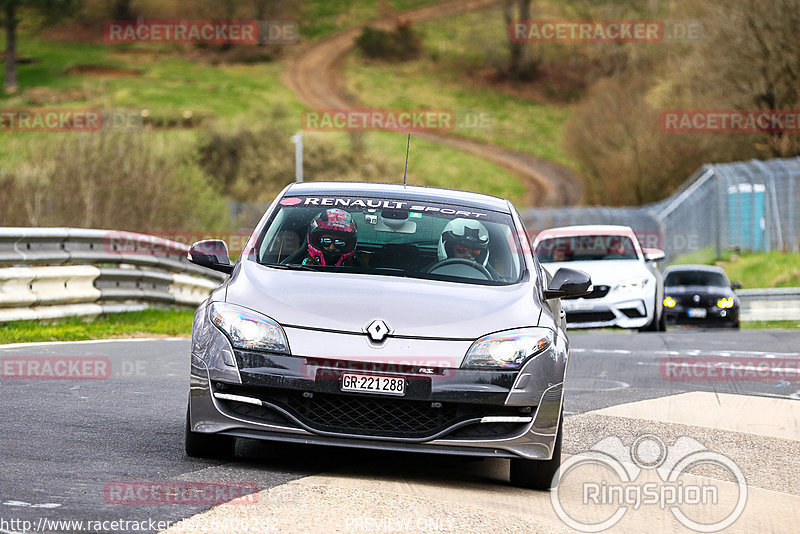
{"x":628,"y":288}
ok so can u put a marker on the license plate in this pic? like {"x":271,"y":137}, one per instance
{"x":697,"y":313}
{"x":387,"y":385}
{"x":577,"y":305}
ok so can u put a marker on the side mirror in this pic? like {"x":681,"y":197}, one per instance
{"x":211,"y":253}
{"x":653,"y":254}
{"x":568,"y":283}
{"x":736,"y":285}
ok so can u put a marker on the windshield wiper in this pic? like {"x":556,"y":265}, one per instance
{"x":289,"y":266}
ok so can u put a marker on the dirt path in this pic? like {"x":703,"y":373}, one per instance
{"x":316,"y":76}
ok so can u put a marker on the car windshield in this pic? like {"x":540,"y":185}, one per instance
{"x":585,"y":248}
{"x":695,"y":278}
{"x":393,"y":238}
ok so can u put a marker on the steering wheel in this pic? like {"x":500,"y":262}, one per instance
{"x":461,"y":261}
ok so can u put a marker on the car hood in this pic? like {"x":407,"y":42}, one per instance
{"x":410,"y":307}
{"x":608,"y":272}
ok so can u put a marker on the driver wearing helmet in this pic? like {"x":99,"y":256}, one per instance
{"x":466,"y":239}
{"x":331,"y":239}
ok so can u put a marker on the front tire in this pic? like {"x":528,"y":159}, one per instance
{"x":662,"y":322}
{"x":210,"y":446}
{"x":539,"y":474}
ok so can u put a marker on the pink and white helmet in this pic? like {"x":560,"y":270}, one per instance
{"x":332,"y":237}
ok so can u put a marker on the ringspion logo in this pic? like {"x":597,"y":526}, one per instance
{"x":649,"y":473}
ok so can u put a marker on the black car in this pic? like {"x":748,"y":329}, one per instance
{"x":700,"y":295}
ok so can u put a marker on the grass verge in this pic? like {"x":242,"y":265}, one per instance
{"x":770,"y":325}
{"x":453,"y":46}
{"x":322,"y":18}
{"x":168,"y":87}
{"x":752,"y":269}
{"x":152,"y":322}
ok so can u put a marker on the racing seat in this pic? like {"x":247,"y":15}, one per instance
{"x":399,"y":256}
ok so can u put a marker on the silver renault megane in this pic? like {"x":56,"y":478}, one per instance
{"x":384,"y":317}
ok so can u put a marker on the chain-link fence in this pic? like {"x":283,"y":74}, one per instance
{"x":745,"y":205}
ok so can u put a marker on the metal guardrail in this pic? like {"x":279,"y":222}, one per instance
{"x":49,"y":273}
{"x":779,"y":304}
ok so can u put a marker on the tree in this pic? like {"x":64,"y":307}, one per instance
{"x":264,"y":9}
{"x":749,"y":59}
{"x":625,"y":157}
{"x":10,"y":23}
{"x":520,"y":65}
{"x":11,"y":10}
{"x":123,"y":10}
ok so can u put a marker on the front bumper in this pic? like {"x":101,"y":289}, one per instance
{"x":679,"y":315}
{"x":622,"y":311}
{"x":461,"y":412}
{"x":444,"y":409}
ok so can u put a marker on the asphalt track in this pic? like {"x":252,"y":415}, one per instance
{"x":64,"y":442}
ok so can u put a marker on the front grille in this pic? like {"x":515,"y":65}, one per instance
{"x":590,"y":317}
{"x":704,"y":301}
{"x":633,"y":313}
{"x":363,"y":414}
{"x":598,"y":292}
{"x":371,"y":416}
{"x":487,"y":431}
{"x":262,"y":414}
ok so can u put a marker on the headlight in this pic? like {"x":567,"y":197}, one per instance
{"x":669,"y":302}
{"x":248,"y":329}
{"x":632,"y":286}
{"x":725,"y":303}
{"x":509,"y":349}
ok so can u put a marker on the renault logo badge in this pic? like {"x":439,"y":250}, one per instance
{"x":377,"y":330}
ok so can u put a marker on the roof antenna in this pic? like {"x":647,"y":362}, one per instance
{"x":405,"y":171}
